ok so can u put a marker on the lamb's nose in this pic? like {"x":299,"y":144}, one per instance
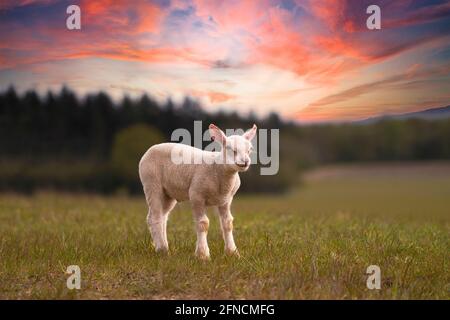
{"x":246,"y":162}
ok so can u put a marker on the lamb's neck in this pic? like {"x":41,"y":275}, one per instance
{"x":226,"y":173}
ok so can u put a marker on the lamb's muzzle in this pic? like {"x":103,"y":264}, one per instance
{"x":210,"y":183}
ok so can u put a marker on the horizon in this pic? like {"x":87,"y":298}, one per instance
{"x":118,"y":103}
{"x":307,"y":61}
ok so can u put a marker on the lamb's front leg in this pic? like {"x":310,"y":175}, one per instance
{"x":201,"y":225}
{"x":226,"y":224}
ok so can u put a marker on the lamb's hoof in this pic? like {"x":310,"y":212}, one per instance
{"x":232,"y":253}
{"x":203,"y":256}
{"x":162,"y":252}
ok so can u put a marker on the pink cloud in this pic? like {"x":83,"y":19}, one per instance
{"x":116,"y":14}
{"x":213,"y":96}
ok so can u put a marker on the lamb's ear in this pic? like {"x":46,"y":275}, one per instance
{"x":250,"y":134}
{"x":217,"y":134}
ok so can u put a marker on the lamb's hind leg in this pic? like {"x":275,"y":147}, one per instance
{"x":159,"y":208}
{"x":169,"y":204}
{"x":155,"y":221}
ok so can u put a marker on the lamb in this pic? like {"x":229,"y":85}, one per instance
{"x":213,"y":182}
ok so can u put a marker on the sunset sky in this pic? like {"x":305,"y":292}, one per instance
{"x":308,"y":60}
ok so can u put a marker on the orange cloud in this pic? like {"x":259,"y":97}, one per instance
{"x":116,"y":14}
{"x":213,"y":96}
{"x":337,"y":106}
{"x":279,"y":45}
{"x":359,"y":90}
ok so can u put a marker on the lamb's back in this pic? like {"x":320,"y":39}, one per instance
{"x":157,"y":168}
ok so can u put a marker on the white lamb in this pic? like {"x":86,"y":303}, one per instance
{"x":213,"y":182}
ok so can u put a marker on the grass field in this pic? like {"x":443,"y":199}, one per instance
{"x":315,"y":242}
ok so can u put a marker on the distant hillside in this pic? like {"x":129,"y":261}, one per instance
{"x":428,"y":114}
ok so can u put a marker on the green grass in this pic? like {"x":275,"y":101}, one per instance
{"x":313,"y":243}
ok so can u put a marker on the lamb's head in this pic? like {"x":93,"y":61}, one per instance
{"x":236,"y":149}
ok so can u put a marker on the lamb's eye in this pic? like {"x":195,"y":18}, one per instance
{"x":231,"y":150}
